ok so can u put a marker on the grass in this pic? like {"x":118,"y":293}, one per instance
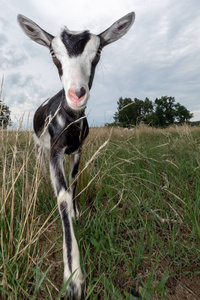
{"x":139,"y":228}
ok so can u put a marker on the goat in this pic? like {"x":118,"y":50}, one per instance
{"x":60,"y":123}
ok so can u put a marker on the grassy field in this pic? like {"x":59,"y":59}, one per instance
{"x":139,"y":227}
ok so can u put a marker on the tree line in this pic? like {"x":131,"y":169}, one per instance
{"x":160,"y":113}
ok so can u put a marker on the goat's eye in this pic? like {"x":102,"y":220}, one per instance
{"x":97,"y":57}
{"x":52,"y":53}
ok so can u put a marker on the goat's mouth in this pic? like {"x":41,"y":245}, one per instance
{"x":77,"y":100}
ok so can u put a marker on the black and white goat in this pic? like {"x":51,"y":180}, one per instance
{"x":60,"y":124}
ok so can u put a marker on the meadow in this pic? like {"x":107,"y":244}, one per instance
{"x":139,"y":228}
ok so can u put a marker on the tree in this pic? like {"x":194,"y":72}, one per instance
{"x":165,"y":110}
{"x":182,"y":115}
{"x":124,"y":116}
{"x":132,"y":112}
{"x":4,"y":111}
{"x":148,"y":115}
{"x":162,"y":112}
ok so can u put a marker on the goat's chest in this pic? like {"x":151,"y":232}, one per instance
{"x":70,"y":137}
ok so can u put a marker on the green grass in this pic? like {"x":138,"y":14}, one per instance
{"x":139,"y":227}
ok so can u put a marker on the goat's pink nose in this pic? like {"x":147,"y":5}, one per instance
{"x":77,"y":95}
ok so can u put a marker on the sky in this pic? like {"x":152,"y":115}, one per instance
{"x":159,"y":56}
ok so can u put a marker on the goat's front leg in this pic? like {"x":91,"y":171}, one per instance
{"x":74,"y":166}
{"x":71,"y":255}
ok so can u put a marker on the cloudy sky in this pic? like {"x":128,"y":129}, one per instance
{"x":159,"y":56}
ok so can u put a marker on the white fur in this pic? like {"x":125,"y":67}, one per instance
{"x":60,"y":121}
{"x":43,"y":141}
{"x":66,"y":196}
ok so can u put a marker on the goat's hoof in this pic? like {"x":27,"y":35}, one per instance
{"x":73,"y":292}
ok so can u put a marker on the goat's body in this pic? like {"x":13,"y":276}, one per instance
{"x":62,"y":131}
{"x":73,"y":126}
{"x":60,"y":124}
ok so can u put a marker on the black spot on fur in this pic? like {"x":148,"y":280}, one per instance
{"x":75,"y":43}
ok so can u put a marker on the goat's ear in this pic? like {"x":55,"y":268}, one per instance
{"x":35,"y":32}
{"x":117,"y":30}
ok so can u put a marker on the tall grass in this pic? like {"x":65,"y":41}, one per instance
{"x":139,"y":228}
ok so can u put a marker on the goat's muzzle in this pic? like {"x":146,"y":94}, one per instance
{"x":77,"y":98}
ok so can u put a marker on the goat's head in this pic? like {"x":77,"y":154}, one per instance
{"x":76,"y":54}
